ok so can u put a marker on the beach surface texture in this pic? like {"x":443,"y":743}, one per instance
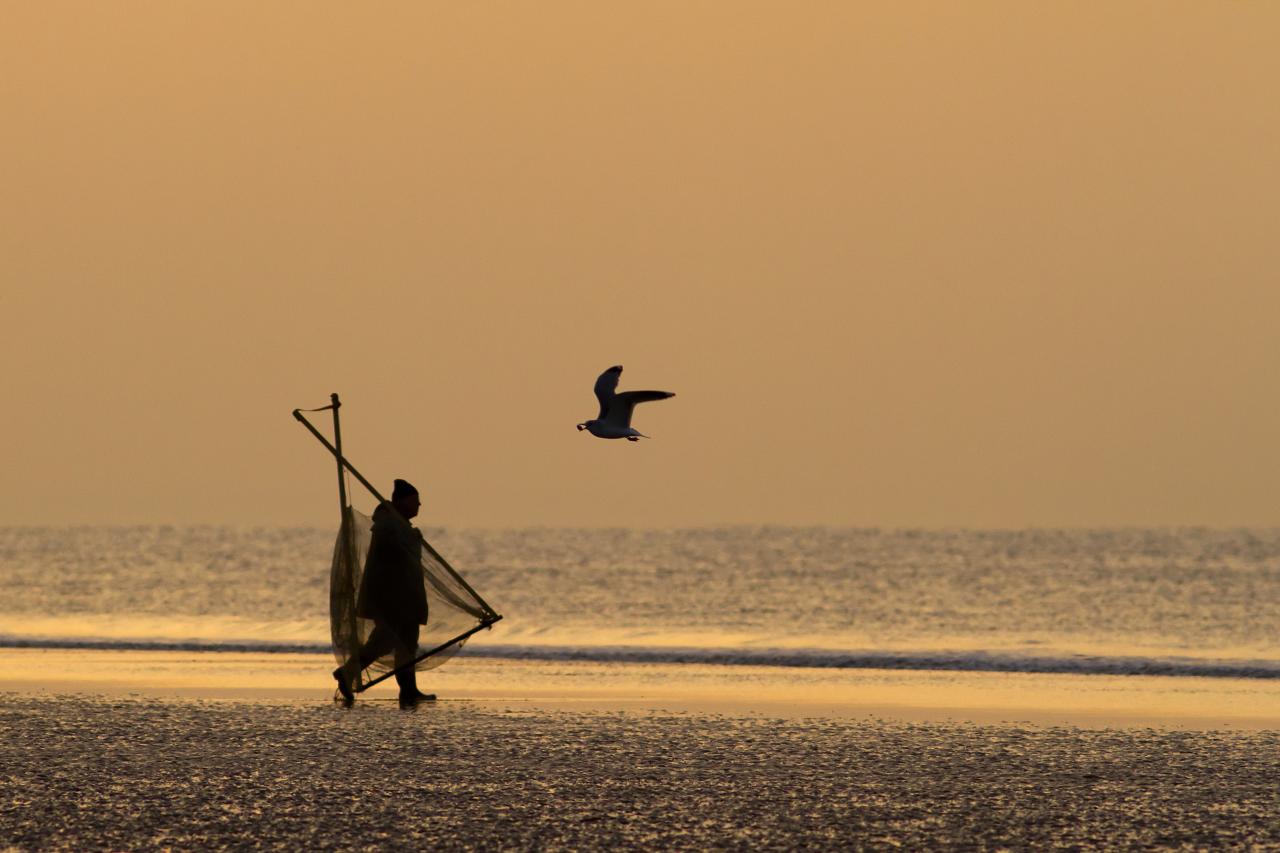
{"x":133,"y":764}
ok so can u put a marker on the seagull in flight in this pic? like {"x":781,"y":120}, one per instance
{"x":614,"y":420}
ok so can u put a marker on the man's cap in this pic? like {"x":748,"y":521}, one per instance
{"x":402,"y":489}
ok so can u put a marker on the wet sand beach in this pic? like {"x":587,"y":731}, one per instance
{"x":87,"y":772}
{"x":146,"y":767}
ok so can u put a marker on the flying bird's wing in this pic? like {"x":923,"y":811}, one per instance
{"x":605,"y":386}
{"x":620,"y":408}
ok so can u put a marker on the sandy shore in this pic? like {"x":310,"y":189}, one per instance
{"x":139,"y":750}
{"x":84,"y":772}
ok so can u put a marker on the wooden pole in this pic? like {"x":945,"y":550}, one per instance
{"x":347,"y":530}
{"x":337,"y":440}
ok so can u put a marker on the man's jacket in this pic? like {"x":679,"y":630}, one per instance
{"x":391,"y":590}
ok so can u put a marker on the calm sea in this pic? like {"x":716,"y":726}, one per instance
{"x":1177,"y":601}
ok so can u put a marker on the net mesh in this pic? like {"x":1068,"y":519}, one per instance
{"x":452,"y":609}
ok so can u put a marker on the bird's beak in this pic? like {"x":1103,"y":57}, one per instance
{"x":581,"y":427}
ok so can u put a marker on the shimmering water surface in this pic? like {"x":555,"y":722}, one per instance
{"x":1075,"y":599}
{"x":796,"y":596}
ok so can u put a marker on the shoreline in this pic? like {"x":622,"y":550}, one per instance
{"x":979,"y":698}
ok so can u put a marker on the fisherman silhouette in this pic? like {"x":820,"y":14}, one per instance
{"x":392,"y":595}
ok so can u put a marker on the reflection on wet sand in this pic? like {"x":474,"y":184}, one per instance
{"x":1092,"y":701}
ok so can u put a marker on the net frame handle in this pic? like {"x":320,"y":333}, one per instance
{"x":487,"y":623}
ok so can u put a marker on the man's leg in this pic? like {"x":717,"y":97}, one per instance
{"x":406,"y":674}
{"x":381,"y":640}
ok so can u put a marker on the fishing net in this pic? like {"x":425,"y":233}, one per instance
{"x":453,"y":610}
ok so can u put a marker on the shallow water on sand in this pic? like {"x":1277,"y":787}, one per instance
{"x":1089,"y":701}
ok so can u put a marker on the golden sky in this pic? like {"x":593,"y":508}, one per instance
{"x":940,"y":264}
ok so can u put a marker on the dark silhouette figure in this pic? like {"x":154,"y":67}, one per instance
{"x":392,"y":595}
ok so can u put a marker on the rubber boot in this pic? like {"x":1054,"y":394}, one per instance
{"x":407,"y":678}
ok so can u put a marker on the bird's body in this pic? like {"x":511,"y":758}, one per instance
{"x":614,"y":420}
{"x":604,"y":429}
